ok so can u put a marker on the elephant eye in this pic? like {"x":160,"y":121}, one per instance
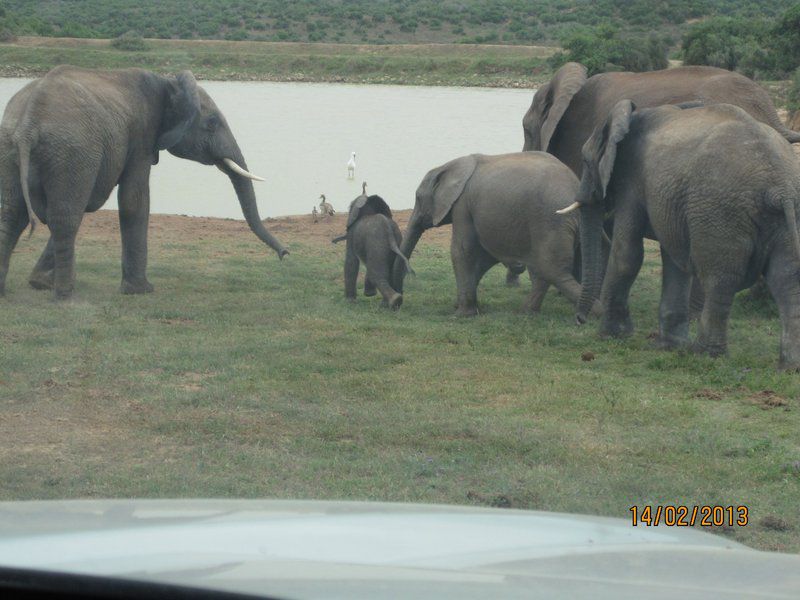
{"x":212,"y":123}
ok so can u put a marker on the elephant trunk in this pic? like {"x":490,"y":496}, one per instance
{"x":410,"y":239}
{"x":247,"y":200}
{"x":592,"y":258}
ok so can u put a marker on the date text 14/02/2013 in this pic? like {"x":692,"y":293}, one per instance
{"x":688,"y":516}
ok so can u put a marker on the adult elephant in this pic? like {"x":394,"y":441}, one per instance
{"x":68,"y":138}
{"x":503,"y":209}
{"x":719,"y":191}
{"x":566,"y":110}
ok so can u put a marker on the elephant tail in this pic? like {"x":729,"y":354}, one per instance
{"x":341,"y":238}
{"x":396,"y":249}
{"x":24,"y":150}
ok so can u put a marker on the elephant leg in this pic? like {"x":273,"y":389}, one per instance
{"x":351,"y":264}
{"x":391,"y":298}
{"x":470,"y":263}
{"x":696,"y":297}
{"x":627,"y":254}
{"x":134,"y":214}
{"x":673,"y":311}
{"x":369,"y":287}
{"x":712,"y":329}
{"x":513,"y":272}
{"x":43,"y":274}
{"x":539,"y":288}
{"x":64,"y":232}
{"x":784,"y":286}
{"x":13,"y":221}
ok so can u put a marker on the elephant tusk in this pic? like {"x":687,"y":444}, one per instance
{"x":570,"y":208}
{"x":240,"y":171}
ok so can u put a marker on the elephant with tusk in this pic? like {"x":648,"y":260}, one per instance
{"x":503,"y":209}
{"x":67,"y":139}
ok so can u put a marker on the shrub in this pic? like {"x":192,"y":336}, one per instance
{"x":794,"y":92}
{"x":601,"y":50}
{"x":130,"y":41}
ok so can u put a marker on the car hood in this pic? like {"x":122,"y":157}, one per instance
{"x":310,"y":549}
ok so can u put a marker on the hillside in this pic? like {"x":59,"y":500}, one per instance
{"x":367,"y":21}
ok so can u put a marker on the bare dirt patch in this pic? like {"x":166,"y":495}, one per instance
{"x":103,"y":225}
{"x":767,"y":399}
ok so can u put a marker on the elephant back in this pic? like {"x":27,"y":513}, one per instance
{"x":367,"y":205}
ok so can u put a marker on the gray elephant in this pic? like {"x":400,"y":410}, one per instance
{"x":503,"y":209}
{"x":372,"y":238}
{"x":566,"y":110}
{"x":719,"y":191}
{"x":68,"y":138}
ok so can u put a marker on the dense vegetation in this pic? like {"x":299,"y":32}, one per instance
{"x":373,"y":21}
{"x":757,"y":47}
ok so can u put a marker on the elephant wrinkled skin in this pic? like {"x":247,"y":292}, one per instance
{"x":67,"y":139}
{"x":719,"y":191}
{"x":503,"y":209}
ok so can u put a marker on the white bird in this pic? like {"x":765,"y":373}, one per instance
{"x":351,"y":166}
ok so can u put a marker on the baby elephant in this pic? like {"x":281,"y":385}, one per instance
{"x":374,"y":238}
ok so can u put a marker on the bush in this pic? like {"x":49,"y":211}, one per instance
{"x":601,"y":50}
{"x":130,"y":41}
{"x":794,"y":92}
{"x":725,"y":42}
{"x":7,"y":36}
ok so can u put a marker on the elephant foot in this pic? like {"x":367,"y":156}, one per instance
{"x":62,"y":295}
{"x":616,"y":328}
{"x":140,"y":287}
{"x":469,"y":311}
{"x":369,"y":292}
{"x":42,"y":280}
{"x":713,"y":350}
{"x":394,"y":301}
{"x":669,"y":342}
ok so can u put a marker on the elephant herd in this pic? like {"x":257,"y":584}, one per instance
{"x":693,"y":157}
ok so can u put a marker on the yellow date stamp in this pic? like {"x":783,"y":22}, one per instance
{"x":681,"y":515}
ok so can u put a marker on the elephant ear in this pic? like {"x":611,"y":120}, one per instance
{"x":600,"y":150}
{"x":367,"y":205}
{"x":180,"y":110}
{"x":567,"y":81}
{"x":443,"y":186}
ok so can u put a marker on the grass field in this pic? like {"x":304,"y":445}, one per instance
{"x":423,"y":64}
{"x":243,"y":376}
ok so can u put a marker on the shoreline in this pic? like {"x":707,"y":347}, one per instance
{"x":459,"y":65}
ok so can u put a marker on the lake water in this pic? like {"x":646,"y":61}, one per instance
{"x":299,"y":137}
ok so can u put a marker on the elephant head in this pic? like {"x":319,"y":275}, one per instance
{"x":192,"y":127}
{"x":437,"y":193}
{"x":599,"y":155}
{"x":549,"y":104}
{"x":367,"y":205}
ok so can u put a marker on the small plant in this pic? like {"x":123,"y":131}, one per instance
{"x":130,"y":41}
{"x":7,"y":36}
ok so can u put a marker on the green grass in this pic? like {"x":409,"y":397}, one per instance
{"x":243,"y":376}
{"x":474,"y":65}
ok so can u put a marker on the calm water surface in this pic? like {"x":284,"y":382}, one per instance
{"x":299,"y":137}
